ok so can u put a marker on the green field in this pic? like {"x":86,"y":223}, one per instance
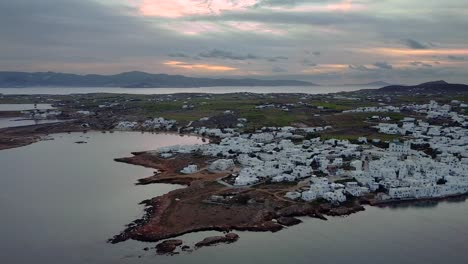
{"x":302,"y":110}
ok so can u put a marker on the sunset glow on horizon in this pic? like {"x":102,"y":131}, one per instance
{"x":323,"y":41}
{"x":203,"y":67}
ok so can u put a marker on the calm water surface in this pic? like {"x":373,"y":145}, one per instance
{"x":19,"y":121}
{"x":214,"y":90}
{"x":60,"y":201}
{"x":21,"y":107}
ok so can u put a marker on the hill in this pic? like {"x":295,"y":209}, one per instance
{"x":130,"y":80}
{"x":375,"y":84}
{"x":426,"y":88}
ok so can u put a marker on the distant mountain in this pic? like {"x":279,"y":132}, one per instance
{"x":378,"y":83}
{"x":375,"y":84}
{"x":429,"y":87}
{"x":130,"y":80}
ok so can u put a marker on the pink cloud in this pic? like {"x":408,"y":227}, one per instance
{"x":180,"y":8}
{"x":343,"y":6}
{"x":193,"y":28}
{"x":199,"y":27}
{"x":256,"y":27}
{"x":346,"y":6}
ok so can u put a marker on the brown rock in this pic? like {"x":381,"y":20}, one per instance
{"x":288,"y":221}
{"x":209,"y":241}
{"x":186,"y":248}
{"x":232,"y":236}
{"x":296,"y":210}
{"x":168,"y":246}
{"x":342,"y":211}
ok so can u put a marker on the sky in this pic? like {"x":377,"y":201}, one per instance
{"x":323,"y":41}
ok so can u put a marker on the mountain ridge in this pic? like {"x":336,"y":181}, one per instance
{"x":131,"y":79}
{"x":439,"y":86}
{"x":376,"y":83}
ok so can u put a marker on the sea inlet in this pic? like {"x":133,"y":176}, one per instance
{"x":60,"y":201}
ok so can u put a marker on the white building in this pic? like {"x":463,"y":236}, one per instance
{"x":190,"y":169}
{"x":400,"y":148}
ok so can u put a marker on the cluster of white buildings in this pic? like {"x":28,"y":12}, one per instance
{"x":42,"y":114}
{"x":126,"y":126}
{"x":269,"y":154}
{"x":284,"y":154}
{"x":321,"y":188}
{"x":156,"y":123}
{"x":409,"y":174}
{"x":374,"y":109}
{"x":108,"y":105}
{"x":215,"y":132}
{"x":84,"y":113}
{"x":417,"y":176}
{"x":284,"y":107}
{"x":159,"y":123}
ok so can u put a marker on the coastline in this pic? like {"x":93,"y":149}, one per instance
{"x":208,"y":203}
{"x":15,"y":137}
{"x":264,"y":218}
{"x":161,"y":219}
{"x":256,"y":210}
{"x":415,"y":201}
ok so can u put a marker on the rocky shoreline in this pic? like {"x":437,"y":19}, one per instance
{"x":263,"y":209}
{"x":210,"y":241}
{"x":186,"y":210}
{"x":172,"y":215}
{"x":422,"y":201}
{"x":14,"y":137}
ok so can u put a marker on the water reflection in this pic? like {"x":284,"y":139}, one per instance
{"x":212,"y":90}
{"x":22,"y":107}
{"x":426,"y":203}
{"x":17,"y":122}
{"x":60,"y":201}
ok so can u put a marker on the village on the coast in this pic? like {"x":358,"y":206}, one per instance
{"x":427,"y":161}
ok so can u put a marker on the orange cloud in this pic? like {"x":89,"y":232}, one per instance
{"x":326,"y":68}
{"x":202,"y":67}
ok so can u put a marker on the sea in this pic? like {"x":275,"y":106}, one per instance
{"x":213,"y":90}
{"x":60,"y":201}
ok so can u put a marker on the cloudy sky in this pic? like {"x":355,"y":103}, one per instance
{"x":325,"y":41}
